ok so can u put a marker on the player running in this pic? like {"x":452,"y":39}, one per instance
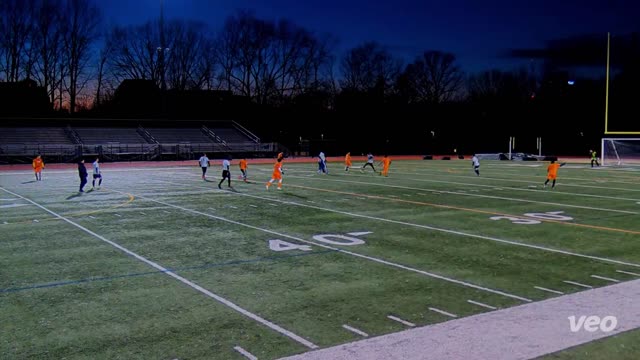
{"x":347,"y":161}
{"x":277,"y":173}
{"x":82,"y":172}
{"x":96,"y":174}
{"x":38,"y":165}
{"x":476,"y":164}
{"x":226,"y":173}
{"x":204,"y":164}
{"x":243,"y":169}
{"x":322,"y":164}
{"x":386,"y":162}
{"x":369,"y":162}
{"x":552,"y":173}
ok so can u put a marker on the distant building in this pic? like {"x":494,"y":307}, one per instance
{"x":24,"y":98}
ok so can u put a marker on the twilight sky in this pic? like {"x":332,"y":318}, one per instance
{"x":479,"y":32}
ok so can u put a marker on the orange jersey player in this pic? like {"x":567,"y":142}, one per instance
{"x":243,"y":169}
{"x":277,"y":174}
{"x":386,"y":161}
{"x":38,"y":165}
{"x":552,"y":173}
{"x":347,"y":161}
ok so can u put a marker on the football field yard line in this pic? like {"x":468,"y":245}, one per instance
{"x":578,"y":284}
{"x":482,"y":196}
{"x":460,"y":233}
{"x":370,"y":258}
{"x":605,"y":278}
{"x":183,"y":280}
{"x":627,"y":272}
{"x":481,"y":304}
{"x":424,"y":203}
{"x":245,"y":353}
{"x":395,"y":318}
{"x":549,"y":290}
{"x":512,"y":188}
{"x":355,"y":331}
{"x":510,"y":172}
{"x":443,"y":312}
{"x":438,"y":173}
{"x":498,"y":197}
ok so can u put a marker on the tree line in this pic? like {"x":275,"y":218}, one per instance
{"x":66,"y":48}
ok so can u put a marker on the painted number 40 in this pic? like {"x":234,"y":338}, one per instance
{"x":332,"y":239}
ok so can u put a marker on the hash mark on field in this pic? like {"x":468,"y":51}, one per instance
{"x":5,"y":223}
{"x":401,"y":321}
{"x":360,"y":233}
{"x":212,"y":209}
{"x":443,"y":312}
{"x":620,"y":271}
{"x":604,"y":278}
{"x":311,"y":201}
{"x":273,"y":204}
{"x":91,"y":217}
{"x":35,"y":220}
{"x":166,"y":212}
{"x":362,"y":198}
{"x":233,"y":207}
{"x":255,"y":206}
{"x":245,"y":353}
{"x":118,"y":215}
{"x":578,"y":284}
{"x":549,"y":290}
{"x":142,"y":213}
{"x":354,"y":330}
{"x":481,"y":304}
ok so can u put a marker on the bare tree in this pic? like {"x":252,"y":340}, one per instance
{"x":189,"y":61}
{"x":269,"y":61}
{"x":496,"y":85}
{"x":369,"y":67}
{"x":15,"y":30}
{"x":47,"y":42}
{"x":433,"y":77}
{"x":80,"y":31}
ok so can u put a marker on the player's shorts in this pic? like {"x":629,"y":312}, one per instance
{"x":476,"y":167}
{"x":97,"y":176}
{"x":226,"y":173}
{"x":552,"y":176}
{"x":276,"y":176}
{"x":204,"y":170}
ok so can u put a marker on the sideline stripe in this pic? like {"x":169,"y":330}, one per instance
{"x":177,"y":277}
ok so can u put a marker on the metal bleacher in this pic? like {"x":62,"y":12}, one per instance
{"x":109,"y":135}
{"x":129,"y":142}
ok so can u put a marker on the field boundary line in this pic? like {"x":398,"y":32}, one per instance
{"x":370,"y":258}
{"x":183,"y":280}
{"x":449,"y":231}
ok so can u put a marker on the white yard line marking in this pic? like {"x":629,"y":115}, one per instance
{"x":460,"y":233}
{"x":521,"y":181}
{"x":245,"y":353}
{"x":604,"y":278}
{"x":233,"y":207}
{"x":578,"y":284}
{"x":627,"y":272}
{"x":436,"y":192}
{"x":273,"y":204}
{"x":142,"y":213}
{"x":12,"y":199}
{"x":212,"y":209}
{"x":5,"y":223}
{"x":549,"y":290}
{"x":356,"y":331}
{"x":255,"y":206}
{"x":166,"y":212}
{"x":118,"y":215}
{"x":394,"y":318}
{"x":481,"y":304}
{"x":193,"y":285}
{"x":374,"y":259}
{"x":493,"y":187}
{"x":443,"y":312}
{"x":11,"y":206}
{"x":311,"y":201}
{"x":91,"y":217}
{"x":35,"y":220}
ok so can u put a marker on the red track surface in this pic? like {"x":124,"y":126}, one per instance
{"x":139,"y":164}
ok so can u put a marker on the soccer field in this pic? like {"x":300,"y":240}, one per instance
{"x":159,"y":264}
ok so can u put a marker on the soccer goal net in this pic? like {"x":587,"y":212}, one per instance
{"x":619,"y":151}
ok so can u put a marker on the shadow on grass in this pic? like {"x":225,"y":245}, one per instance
{"x":29,"y":182}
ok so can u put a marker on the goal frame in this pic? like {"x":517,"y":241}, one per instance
{"x":602,"y":142}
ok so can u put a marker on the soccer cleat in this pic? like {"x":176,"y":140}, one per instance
{"x":267,"y":187}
